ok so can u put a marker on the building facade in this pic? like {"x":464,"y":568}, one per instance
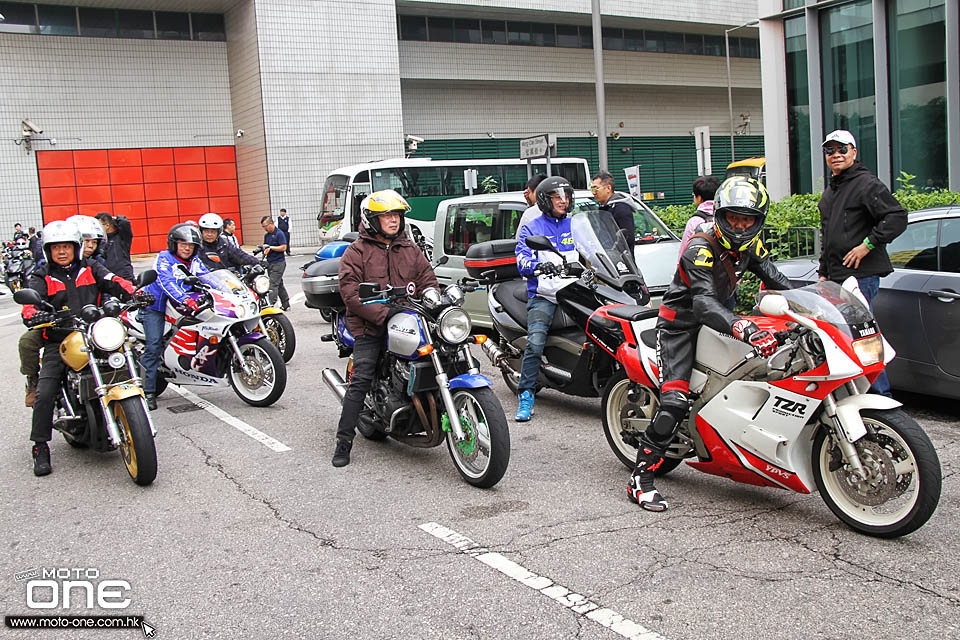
{"x":162,"y":110}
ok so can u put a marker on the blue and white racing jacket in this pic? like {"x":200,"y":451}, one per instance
{"x":169,"y":283}
{"x":558,"y":231}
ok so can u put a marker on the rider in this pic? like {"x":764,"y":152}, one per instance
{"x":66,"y":281}
{"x":384,"y":254}
{"x":183,"y":245}
{"x":554,"y":200}
{"x":94,"y":237}
{"x":216,"y":252}
{"x":706,"y":275}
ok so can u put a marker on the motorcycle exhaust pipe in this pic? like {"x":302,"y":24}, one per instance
{"x":564,"y":377}
{"x":494,"y":353}
{"x":335,"y":383}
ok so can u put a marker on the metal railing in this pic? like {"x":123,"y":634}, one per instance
{"x":793,"y":242}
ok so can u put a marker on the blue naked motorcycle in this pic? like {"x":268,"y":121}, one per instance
{"x":428,"y":387}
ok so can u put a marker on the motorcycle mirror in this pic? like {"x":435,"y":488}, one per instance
{"x":541,"y":243}
{"x":368,"y":290}
{"x":147,"y":277}
{"x":774,"y":305}
{"x":27,"y":296}
{"x":112,"y":308}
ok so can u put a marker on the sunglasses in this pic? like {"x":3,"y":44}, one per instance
{"x":829,"y":151}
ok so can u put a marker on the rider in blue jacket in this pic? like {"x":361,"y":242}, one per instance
{"x":555,"y":201}
{"x":183,"y":244}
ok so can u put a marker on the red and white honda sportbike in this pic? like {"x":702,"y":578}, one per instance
{"x":801,"y":419}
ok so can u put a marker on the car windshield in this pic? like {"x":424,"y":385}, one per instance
{"x":648,"y":227}
{"x":334,"y":199}
{"x":830,"y":302}
{"x":600,"y":245}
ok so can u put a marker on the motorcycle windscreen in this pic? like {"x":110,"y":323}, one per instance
{"x":830,"y":302}
{"x":603,"y":248}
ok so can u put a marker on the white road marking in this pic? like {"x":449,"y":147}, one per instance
{"x":297,"y":298}
{"x":574,"y":601}
{"x":236,"y":423}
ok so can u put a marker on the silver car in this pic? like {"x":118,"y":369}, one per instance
{"x":464,"y":221}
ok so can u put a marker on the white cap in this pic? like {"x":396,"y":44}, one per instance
{"x":842,"y":136}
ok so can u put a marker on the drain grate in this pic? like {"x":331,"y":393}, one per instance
{"x":184,"y":408}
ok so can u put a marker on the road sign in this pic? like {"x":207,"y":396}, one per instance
{"x":536,"y":147}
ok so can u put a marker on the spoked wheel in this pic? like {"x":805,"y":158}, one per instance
{"x":903,"y":479}
{"x":266,"y":378}
{"x":482,"y":456}
{"x":136,"y":442}
{"x":627,"y":409}
{"x":280,"y":331}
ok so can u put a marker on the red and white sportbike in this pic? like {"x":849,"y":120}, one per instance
{"x":802,"y":419}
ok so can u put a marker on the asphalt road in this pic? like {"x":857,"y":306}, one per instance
{"x":237,"y":540}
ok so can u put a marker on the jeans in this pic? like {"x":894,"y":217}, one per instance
{"x":366,"y":355}
{"x":275,"y":271}
{"x":539,"y":318}
{"x":153,"y":323}
{"x":51,"y":376}
{"x":870,"y":287}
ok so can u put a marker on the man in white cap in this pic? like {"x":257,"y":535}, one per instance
{"x":858,"y":218}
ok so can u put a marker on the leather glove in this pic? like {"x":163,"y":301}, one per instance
{"x":762,"y":341}
{"x":145,"y":298}
{"x":548,"y":268}
{"x":40,"y":317}
{"x":191,"y":304}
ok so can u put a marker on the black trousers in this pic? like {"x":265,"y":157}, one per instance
{"x":51,"y":376}
{"x":676,"y":350}
{"x":366,"y":354}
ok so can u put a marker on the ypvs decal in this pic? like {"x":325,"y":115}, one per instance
{"x":789,"y":408}
{"x":777,"y":471}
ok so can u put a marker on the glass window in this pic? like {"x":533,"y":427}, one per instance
{"x":749,"y":48}
{"x":468,"y":224}
{"x":135,"y":24}
{"x":568,"y":35}
{"x":793,"y":4}
{"x":333,"y":202}
{"x":518,"y":32}
{"x":672,"y":42}
{"x":98,"y":22}
{"x":633,"y":40}
{"x":440,"y":29}
{"x":916,"y":247}
{"x":508,"y":219}
{"x":20,"y":17}
{"x":467,"y":30}
{"x":413,"y":28}
{"x":494,"y":32}
{"x":918,"y":109}
{"x":208,"y":26}
{"x":411,"y":182}
{"x":693,"y":44}
{"x":798,"y":105}
{"x":612,"y":38}
{"x":57,"y":21}
{"x":173,"y":26}
{"x":848,"y":76}
{"x":950,"y":245}
{"x":515,"y":177}
{"x":713,"y":46}
{"x":654,"y":40}
{"x":542,"y":35}
{"x":586,"y":37}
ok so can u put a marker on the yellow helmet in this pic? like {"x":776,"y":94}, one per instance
{"x":746,"y":197}
{"x":378,"y":203}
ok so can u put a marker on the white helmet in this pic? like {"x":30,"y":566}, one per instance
{"x":211,"y":221}
{"x":90,"y":228}
{"x":61,"y":231}
{"x":22,"y":244}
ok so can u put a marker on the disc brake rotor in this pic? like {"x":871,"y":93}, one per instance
{"x":880,"y":485}
{"x":631,"y":412}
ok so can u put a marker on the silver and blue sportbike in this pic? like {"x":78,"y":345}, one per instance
{"x":427,"y":387}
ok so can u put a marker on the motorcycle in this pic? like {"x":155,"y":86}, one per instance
{"x":605,"y":274}
{"x":273,"y":321}
{"x":428,"y":387}
{"x":802,"y":419}
{"x":18,"y":264}
{"x":101,"y":403}
{"x":218,"y":344}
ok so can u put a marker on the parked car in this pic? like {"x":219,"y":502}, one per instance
{"x":464,"y":221}
{"x":918,"y":306}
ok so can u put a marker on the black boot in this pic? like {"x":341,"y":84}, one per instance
{"x":41,"y":459}
{"x":341,"y":455}
{"x":641,"y":489}
{"x":152,"y":401}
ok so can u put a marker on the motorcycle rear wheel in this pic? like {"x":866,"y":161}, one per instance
{"x":281,"y":334}
{"x":616,"y":405}
{"x":268,"y":377}
{"x":903,"y":486}
{"x":137,"y":447}
{"x":482,"y":457}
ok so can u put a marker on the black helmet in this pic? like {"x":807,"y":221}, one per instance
{"x":746,"y":197}
{"x":183,"y":232}
{"x":550,"y":186}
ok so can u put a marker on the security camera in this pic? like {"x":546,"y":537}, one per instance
{"x":240,"y":133}
{"x":29,"y":128}
{"x":414,"y":139}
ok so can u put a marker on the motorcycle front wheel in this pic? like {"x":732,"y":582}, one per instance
{"x":137,"y":448}
{"x":267,"y":377}
{"x":903,"y":482}
{"x":280,"y":331}
{"x":625,"y":400}
{"x":482,"y":456}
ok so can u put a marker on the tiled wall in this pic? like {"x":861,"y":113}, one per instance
{"x":155,"y":188}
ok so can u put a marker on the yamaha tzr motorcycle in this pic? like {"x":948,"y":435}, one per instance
{"x":101,"y":403}
{"x":428,"y":387}
{"x":802,"y":419}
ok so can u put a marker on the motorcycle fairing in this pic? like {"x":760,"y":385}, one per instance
{"x":470,"y":381}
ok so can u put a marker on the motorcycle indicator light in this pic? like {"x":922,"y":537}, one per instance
{"x":479,"y":339}
{"x":869,"y":350}
{"x":423,"y":351}
{"x":108,"y":334}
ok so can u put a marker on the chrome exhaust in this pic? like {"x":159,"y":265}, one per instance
{"x":335,"y":383}
{"x":495,"y":354}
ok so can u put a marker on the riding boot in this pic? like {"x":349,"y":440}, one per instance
{"x":31,"y":389}
{"x":640,"y":488}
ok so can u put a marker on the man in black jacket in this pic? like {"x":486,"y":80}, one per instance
{"x":858,"y":218}
{"x":217,"y":252}
{"x":119,"y":240}
{"x":622,"y":213}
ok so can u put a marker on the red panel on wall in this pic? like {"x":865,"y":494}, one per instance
{"x":158,"y":242}
{"x":221,"y":154}
{"x":191,"y":189}
{"x":130,"y":209}
{"x":139,"y":227}
{"x":188,"y":155}
{"x":160,"y":191}
{"x":127,"y":192}
{"x":194,"y":206}
{"x":222,"y":187}
{"x":157,"y":226}
{"x":92,"y":209}
{"x":91,"y":158}
{"x":54,"y":159}
{"x":156,"y":156}
{"x":58,"y":195}
{"x":124,"y":157}
{"x":92,"y":177}
{"x":222,"y":171}
{"x":51,"y":213}
{"x":88,"y":195}
{"x":160,"y":208}
{"x":225,"y":205}
{"x":56,"y":178}
{"x":159,"y":173}
{"x":190,"y":172}
{"x":126,"y":175}
{"x":140,"y":244}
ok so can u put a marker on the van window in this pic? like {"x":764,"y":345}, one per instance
{"x":468,"y":224}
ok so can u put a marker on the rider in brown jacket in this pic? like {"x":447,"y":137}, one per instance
{"x":385,"y":255}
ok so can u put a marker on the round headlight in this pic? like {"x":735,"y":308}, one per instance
{"x":108,"y":334}
{"x":455,"y":325}
{"x":455,"y":294}
{"x":261,"y":284}
{"x":431,"y":298}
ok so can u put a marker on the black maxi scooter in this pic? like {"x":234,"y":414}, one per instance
{"x":606,"y":274}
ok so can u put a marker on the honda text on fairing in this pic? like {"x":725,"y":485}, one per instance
{"x":428,"y":387}
{"x":218,"y":343}
{"x":101,"y":404}
{"x":802,"y":419}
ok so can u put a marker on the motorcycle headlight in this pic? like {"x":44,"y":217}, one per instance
{"x":108,"y":334}
{"x":455,"y":325}
{"x":455,"y":294}
{"x":431,"y":298}
{"x":869,"y":350}
{"x":261,"y":284}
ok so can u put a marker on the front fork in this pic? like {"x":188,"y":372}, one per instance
{"x":443,"y":381}
{"x":236,"y":351}
{"x":844,"y":437}
{"x":113,"y":431}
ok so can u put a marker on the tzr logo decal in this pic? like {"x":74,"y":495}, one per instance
{"x":789,"y":408}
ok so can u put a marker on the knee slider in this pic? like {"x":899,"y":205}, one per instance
{"x":673,"y":408}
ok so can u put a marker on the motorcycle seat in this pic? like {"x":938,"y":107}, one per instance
{"x":632,"y":312}
{"x":512,"y":296}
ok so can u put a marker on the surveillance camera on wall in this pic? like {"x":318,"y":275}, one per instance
{"x":30,"y":128}
{"x":414,"y":139}
{"x":240,"y":133}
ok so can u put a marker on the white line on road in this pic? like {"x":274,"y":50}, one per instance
{"x":297,"y":298}
{"x":574,"y":601}
{"x":236,"y":423}
{"x":9,"y":315}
